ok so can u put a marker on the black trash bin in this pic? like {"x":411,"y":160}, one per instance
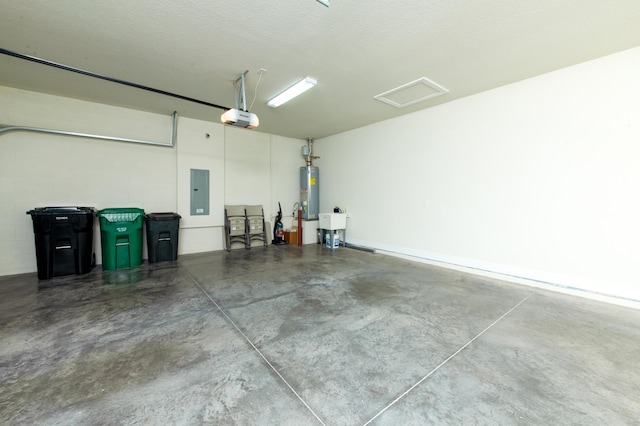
{"x":162,"y":236}
{"x":64,"y":240}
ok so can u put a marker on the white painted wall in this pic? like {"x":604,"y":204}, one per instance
{"x":285,"y":179}
{"x":247,"y":179}
{"x":262,"y":170}
{"x":38,"y":170}
{"x":200,"y":146}
{"x":538,"y":179}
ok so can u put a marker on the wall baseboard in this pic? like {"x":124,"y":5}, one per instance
{"x":616,"y":294}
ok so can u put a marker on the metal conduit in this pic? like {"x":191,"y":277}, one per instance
{"x":172,"y":142}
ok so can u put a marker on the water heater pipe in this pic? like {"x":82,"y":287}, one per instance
{"x":299,"y":227}
{"x":310,"y":157}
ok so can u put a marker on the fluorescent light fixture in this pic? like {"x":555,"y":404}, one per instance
{"x":325,"y":2}
{"x":293,"y":91}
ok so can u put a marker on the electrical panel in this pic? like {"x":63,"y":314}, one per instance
{"x":199,"y":192}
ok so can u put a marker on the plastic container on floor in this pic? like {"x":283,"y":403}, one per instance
{"x":121,"y":237}
{"x":64,"y":240}
{"x":332,"y":239}
{"x":162,"y":236}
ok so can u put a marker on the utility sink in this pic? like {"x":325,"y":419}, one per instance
{"x":333,"y":220}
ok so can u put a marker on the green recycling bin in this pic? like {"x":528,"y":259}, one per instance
{"x":121,"y":237}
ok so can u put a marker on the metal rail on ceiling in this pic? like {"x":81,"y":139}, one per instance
{"x":107,"y":78}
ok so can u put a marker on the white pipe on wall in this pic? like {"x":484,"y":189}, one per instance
{"x":172,"y":141}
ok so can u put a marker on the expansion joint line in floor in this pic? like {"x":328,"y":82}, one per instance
{"x":453,"y":355}
{"x":255,"y":348}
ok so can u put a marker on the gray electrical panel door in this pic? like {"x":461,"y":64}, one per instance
{"x":309,"y":192}
{"x":199,"y":192}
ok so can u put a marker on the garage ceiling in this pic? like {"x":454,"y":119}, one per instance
{"x":356,"y":50}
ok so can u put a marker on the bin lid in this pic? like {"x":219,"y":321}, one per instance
{"x":162,"y":216}
{"x":44,"y":211}
{"x":121,"y":214}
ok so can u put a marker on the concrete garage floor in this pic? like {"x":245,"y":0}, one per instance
{"x":309,"y":336}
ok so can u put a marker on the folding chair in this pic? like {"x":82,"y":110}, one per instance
{"x":235,"y":226}
{"x":256,"y":229}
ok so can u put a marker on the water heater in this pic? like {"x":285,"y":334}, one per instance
{"x":309,"y":195}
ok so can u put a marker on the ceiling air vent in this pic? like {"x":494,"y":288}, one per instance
{"x":411,"y":93}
